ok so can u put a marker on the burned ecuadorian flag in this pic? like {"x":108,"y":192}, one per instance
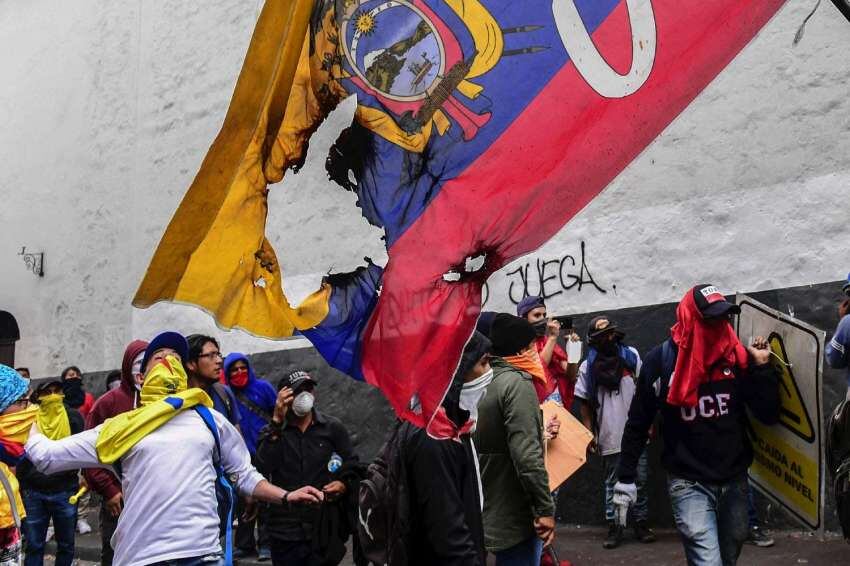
{"x":481,"y":128}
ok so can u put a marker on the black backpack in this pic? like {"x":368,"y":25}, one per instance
{"x":383,"y":520}
{"x":838,"y":462}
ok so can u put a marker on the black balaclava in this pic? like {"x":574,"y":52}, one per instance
{"x":608,"y":366}
{"x":73,"y":390}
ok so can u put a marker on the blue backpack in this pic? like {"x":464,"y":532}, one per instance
{"x":224,"y":492}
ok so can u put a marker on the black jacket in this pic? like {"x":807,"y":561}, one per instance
{"x":291,"y":459}
{"x":445,"y":501}
{"x":709,"y":442}
{"x":31,"y":479}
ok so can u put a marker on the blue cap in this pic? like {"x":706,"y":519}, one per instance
{"x":173,"y":340}
{"x":528,"y":304}
{"x":846,"y":287}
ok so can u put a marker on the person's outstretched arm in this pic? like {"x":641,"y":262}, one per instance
{"x":70,"y":453}
{"x":236,"y":461}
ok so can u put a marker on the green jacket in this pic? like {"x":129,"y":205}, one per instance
{"x":509,"y":440}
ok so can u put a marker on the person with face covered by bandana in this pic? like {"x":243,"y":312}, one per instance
{"x":304,"y":447}
{"x":17,"y":416}
{"x":446,"y":497}
{"x":165,"y":452}
{"x":704,"y":382}
{"x":46,"y":496}
{"x":606,"y":386}
{"x":560,"y":372}
{"x":76,"y":396}
{"x":256,"y":399}
{"x":519,"y":512}
{"x":110,"y":404}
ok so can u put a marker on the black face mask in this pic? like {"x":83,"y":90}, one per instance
{"x":608,"y":348}
{"x":73,"y":390}
{"x":540,"y":327}
{"x":608,"y":367}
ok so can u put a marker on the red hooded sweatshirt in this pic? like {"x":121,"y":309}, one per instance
{"x":115,"y":402}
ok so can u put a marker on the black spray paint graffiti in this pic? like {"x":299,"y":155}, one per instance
{"x":549,"y":278}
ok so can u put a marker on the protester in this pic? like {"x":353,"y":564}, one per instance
{"x":256,"y":399}
{"x":838,"y":348}
{"x":204,"y":368}
{"x":606,"y":386}
{"x":518,"y":508}
{"x":444,"y":485}
{"x":76,"y":396}
{"x":702,"y":380}
{"x":113,"y":380}
{"x":110,"y":404}
{"x":303,"y":447}
{"x":16,"y":418}
{"x":46,"y":497}
{"x":560,"y":373}
{"x":171,"y":513}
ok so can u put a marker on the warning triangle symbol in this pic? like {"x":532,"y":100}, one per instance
{"x":792,"y":413}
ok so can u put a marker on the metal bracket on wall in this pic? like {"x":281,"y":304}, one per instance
{"x":34,"y":261}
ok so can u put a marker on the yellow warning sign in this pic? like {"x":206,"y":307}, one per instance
{"x":786,"y":471}
{"x":793,"y":413}
{"x":787,"y":455}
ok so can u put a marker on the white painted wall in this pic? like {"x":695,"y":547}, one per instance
{"x":109,"y":108}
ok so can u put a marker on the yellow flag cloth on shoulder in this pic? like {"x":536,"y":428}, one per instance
{"x":164,"y":395}
{"x":15,"y":427}
{"x":52,"y":416}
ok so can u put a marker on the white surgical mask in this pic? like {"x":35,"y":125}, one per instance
{"x":473,"y":392}
{"x":303,"y":404}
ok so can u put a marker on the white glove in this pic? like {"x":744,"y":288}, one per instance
{"x":625,"y":495}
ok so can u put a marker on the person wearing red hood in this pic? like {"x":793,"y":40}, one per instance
{"x":702,"y":380}
{"x":114,"y":402}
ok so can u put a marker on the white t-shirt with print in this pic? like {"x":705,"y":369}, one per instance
{"x":613,"y":410}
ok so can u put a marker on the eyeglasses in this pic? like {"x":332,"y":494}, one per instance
{"x":212,"y":355}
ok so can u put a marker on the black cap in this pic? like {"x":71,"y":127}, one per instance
{"x":296,"y":380}
{"x":173,"y":340}
{"x":712,"y":303}
{"x":39,"y":389}
{"x":511,"y":334}
{"x":601,"y":325}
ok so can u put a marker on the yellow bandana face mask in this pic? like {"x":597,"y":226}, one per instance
{"x":167,"y":377}
{"x":52,"y":416}
{"x":15,"y":427}
{"x":164,"y":395}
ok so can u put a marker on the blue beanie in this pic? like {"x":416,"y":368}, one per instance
{"x":528,"y":304}
{"x":12,"y":387}
{"x":846,"y":287}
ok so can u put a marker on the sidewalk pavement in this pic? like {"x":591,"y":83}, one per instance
{"x":583,"y":547}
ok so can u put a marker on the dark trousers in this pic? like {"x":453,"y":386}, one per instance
{"x":41,"y":508}
{"x":245,"y":539}
{"x":294,"y":553}
{"x":107,"y":529}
